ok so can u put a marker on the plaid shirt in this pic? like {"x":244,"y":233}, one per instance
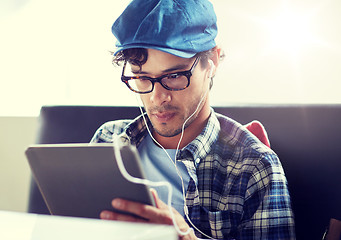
{"x":237,"y":187}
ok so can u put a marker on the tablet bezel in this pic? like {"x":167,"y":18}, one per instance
{"x":81,"y":180}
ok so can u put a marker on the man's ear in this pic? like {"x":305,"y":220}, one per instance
{"x":214,"y":60}
{"x":212,"y":68}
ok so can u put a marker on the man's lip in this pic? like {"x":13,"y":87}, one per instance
{"x":164,"y":116}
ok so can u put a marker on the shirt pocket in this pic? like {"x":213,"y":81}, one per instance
{"x":219,"y":223}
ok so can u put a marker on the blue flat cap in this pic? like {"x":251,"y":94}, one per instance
{"x":179,"y":27}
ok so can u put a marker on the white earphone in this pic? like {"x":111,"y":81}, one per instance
{"x":212,"y":67}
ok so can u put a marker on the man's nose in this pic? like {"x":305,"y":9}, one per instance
{"x":160,"y":95}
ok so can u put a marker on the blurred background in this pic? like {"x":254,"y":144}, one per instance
{"x":58,"y":52}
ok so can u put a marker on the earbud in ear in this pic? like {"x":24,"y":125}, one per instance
{"x":212,"y":67}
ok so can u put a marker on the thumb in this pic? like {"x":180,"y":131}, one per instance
{"x":155,"y":197}
{"x":158,"y":202}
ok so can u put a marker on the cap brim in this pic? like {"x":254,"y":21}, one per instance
{"x":172,"y":51}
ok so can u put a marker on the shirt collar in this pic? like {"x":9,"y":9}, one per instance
{"x":202,"y":144}
{"x":197,"y":149}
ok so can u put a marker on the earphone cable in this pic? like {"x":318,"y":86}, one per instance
{"x":175,"y":160}
{"x":163,"y":183}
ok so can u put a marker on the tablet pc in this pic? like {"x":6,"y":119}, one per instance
{"x":81,"y":180}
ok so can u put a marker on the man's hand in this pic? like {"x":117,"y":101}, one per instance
{"x":159,"y":214}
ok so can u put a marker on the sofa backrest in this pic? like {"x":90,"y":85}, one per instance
{"x":306,"y":138}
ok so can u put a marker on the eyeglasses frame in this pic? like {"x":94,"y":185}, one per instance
{"x":187,"y":73}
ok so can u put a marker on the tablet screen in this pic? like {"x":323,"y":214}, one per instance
{"x":81,"y":180}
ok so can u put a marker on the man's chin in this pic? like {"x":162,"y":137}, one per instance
{"x":168,"y":132}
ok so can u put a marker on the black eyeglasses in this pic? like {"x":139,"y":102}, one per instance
{"x":173,"y":81}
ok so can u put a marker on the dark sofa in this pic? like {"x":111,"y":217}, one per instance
{"x":307,"y":139}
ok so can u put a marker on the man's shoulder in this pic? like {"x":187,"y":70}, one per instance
{"x":116,"y":126}
{"x":106,"y":131}
{"x":237,"y":143}
{"x":238,"y":153}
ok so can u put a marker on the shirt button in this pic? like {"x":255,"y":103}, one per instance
{"x":197,"y":160}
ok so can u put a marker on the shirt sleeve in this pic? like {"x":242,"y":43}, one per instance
{"x":102,"y":135}
{"x":267,"y":210}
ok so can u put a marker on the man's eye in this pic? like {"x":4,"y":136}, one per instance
{"x":173,"y":76}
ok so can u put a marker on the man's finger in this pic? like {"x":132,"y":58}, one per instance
{"x":148,"y":212}
{"x":109,"y":215}
{"x":136,"y":208}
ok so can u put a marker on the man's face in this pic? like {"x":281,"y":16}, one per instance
{"x":168,"y":110}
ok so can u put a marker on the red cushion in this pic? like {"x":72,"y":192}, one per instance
{"x":258,"y":130}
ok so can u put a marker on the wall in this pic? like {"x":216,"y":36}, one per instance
{"x":16,"y":134}
{"x":290,"y":51}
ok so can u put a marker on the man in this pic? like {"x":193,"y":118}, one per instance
{"x":234,"y":186}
